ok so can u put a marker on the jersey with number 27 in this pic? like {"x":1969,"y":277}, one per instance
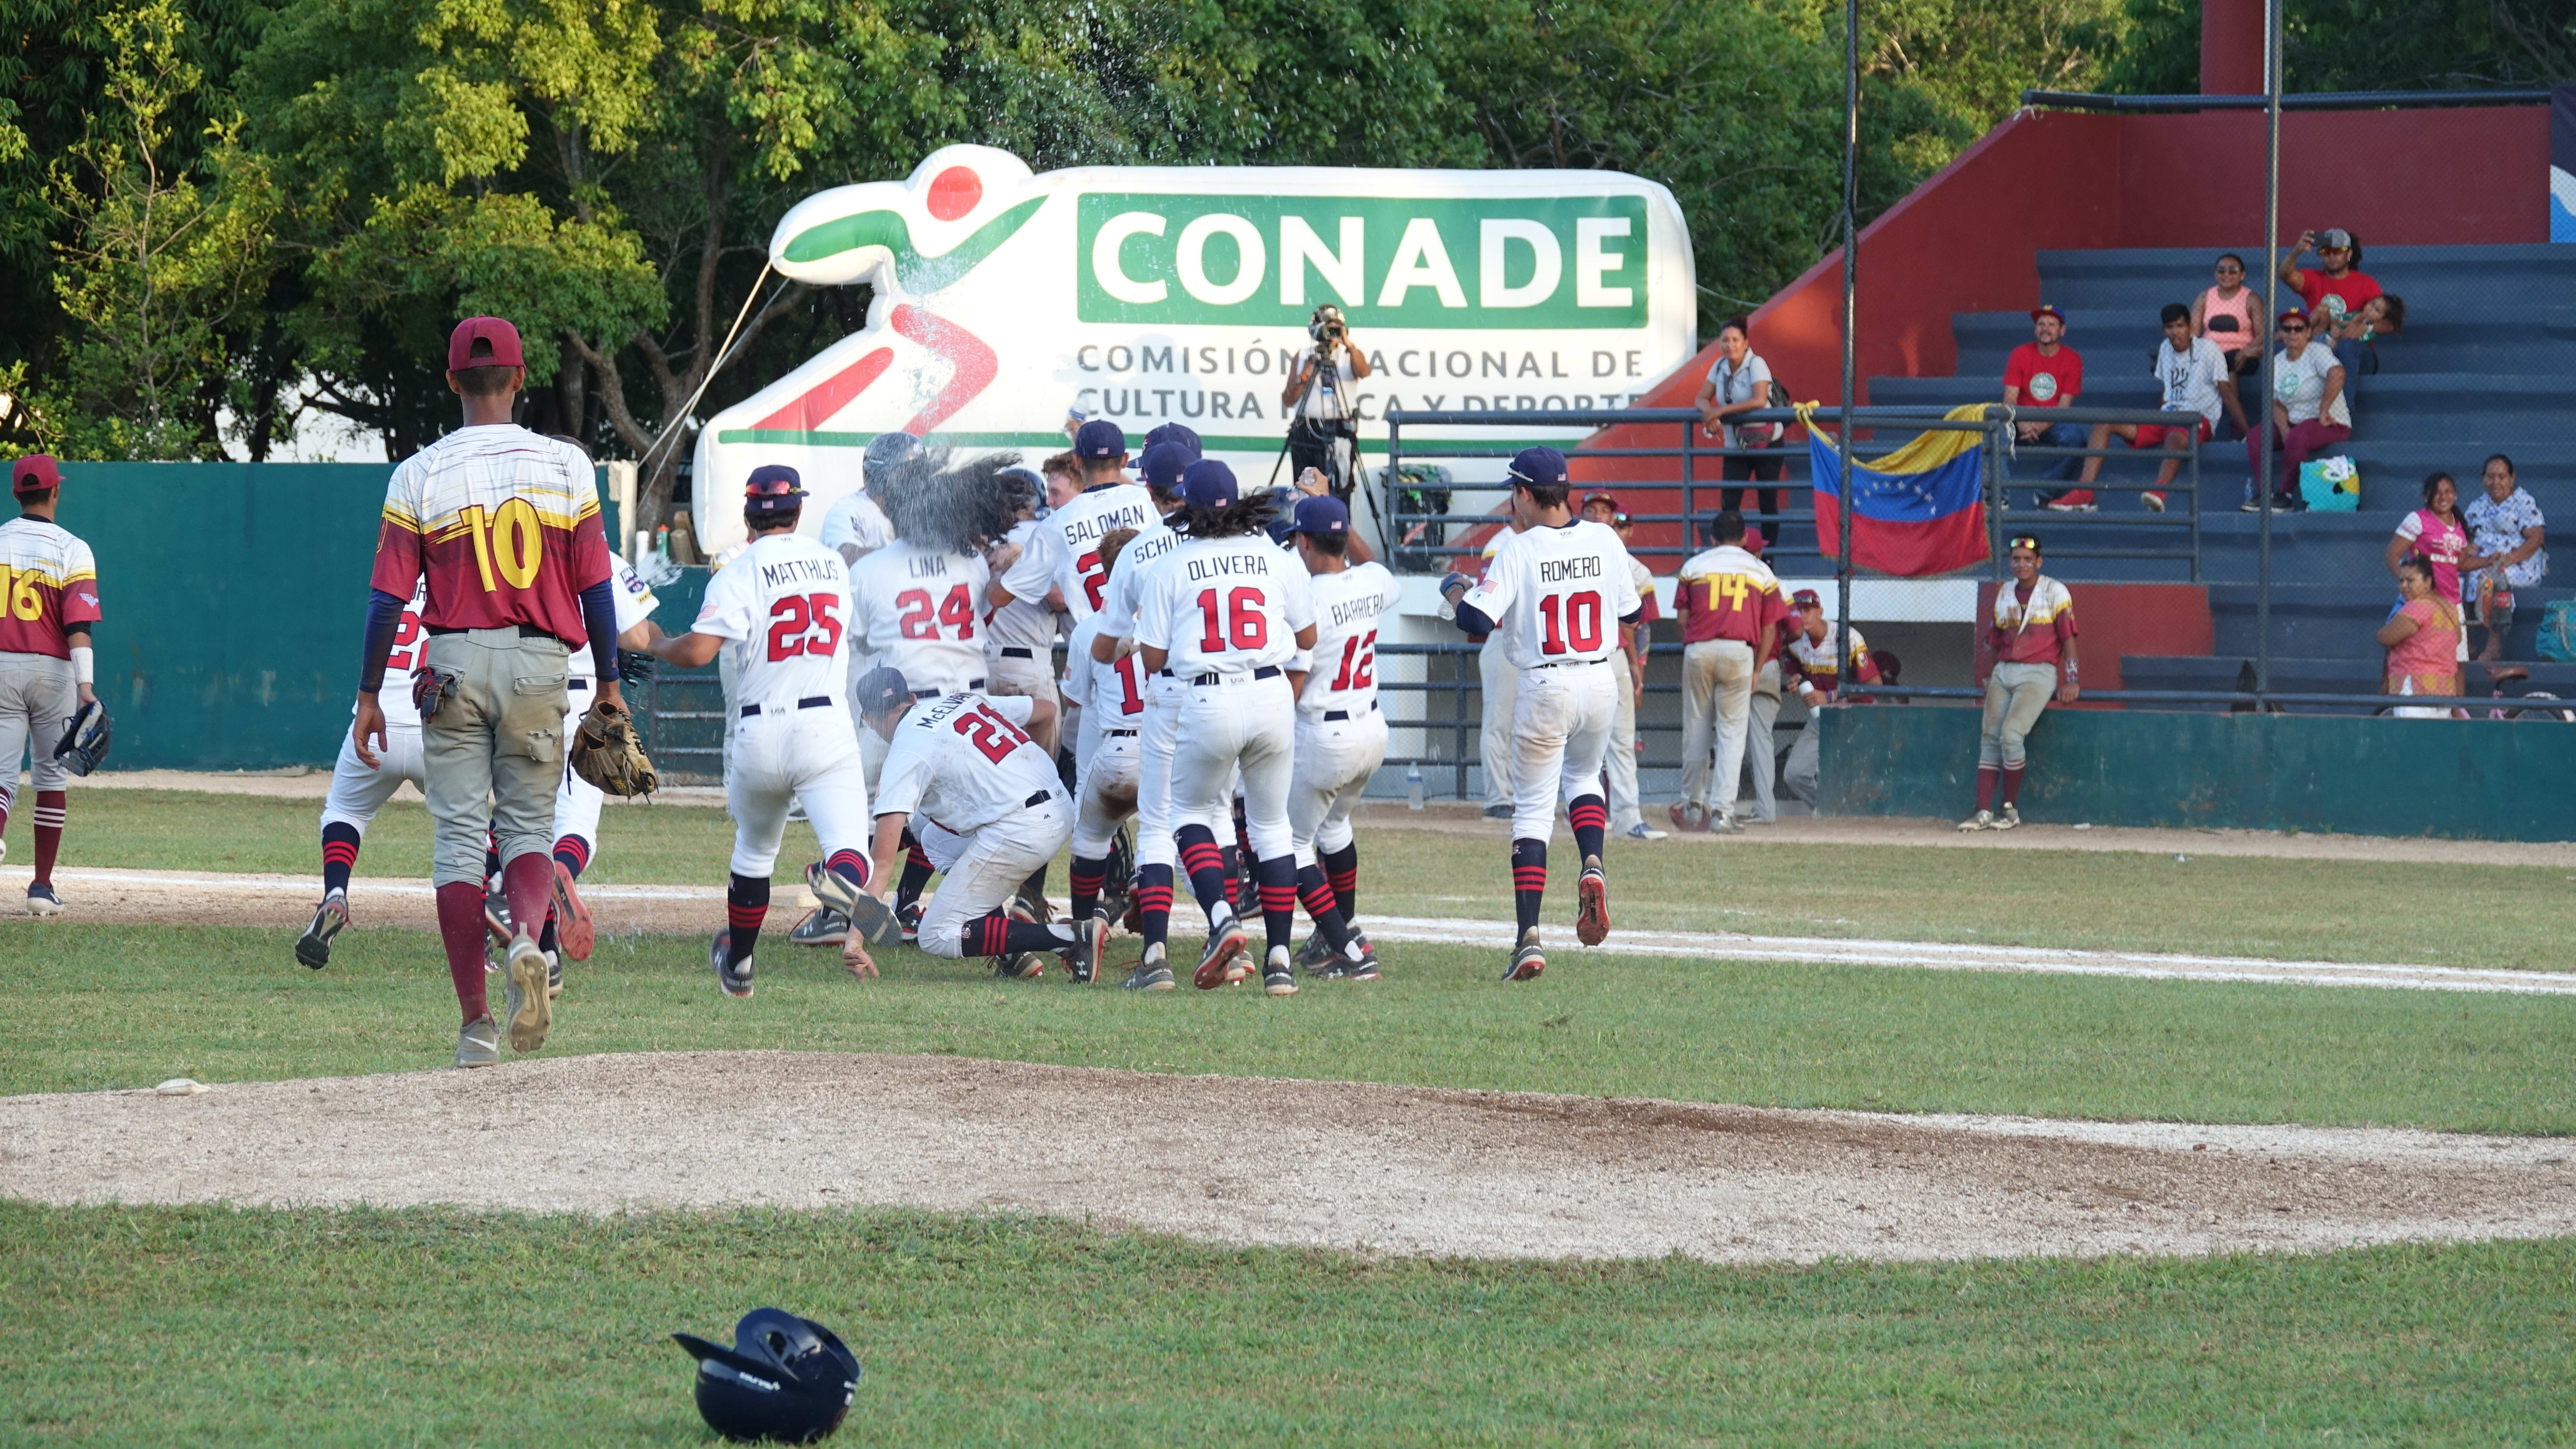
{"x":783,"y":605}
{"x":1064,"y":553}
{"x":965,"y":761}
{"x":1348,"y":606}
{"x":1225,"y":606}
{"x":1557,"y":594}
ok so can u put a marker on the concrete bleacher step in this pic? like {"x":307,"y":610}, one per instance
{"x":2505,"y":336}
{"x":2431,"y":279}
{"x":2352,"y":674}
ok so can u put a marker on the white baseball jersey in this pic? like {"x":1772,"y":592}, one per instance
{"x":1112,"y":696}
{"x":1225,"y":606}
{"x":1343,"y":676}
{"x":635,"y":604}
{"x":965,"y":761}
{"x":1126,"y":582}
{"x":1557,"y":594}
{"x":855,"y":518}
{"x":409,"y":637}
{"x":1064,"y":552}
{"x":1022,"y":623}
{"x":784,"y":605}
{"x":921,"y":612}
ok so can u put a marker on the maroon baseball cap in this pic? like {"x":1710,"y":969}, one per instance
{"x":1807,"y":598}
{"x":500,"y":344}
{"x":1602,"y":495}
{"x":33,"y":474}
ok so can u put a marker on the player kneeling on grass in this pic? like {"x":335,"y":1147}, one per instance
{"x":966,"y":765}
{"x":1555,"y":590}
{"x":780,"y":607}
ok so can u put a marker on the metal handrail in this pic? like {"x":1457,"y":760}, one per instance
{"x":2264,"y":700}
{"x":2312,"y":101}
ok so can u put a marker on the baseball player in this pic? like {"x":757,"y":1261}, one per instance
{"x":1062,"y":557}
{"x":1019,"y":636}
{"x":359,"y":790}
{"x":1112,"y":698}
{"x":1225,"y":615}
{"x":854,"y":526}
{"x":966,"y":765}
{"x":1557,"y":592}
{"x":2031,"y":639}
{"x":48,"y":611}
{"x":502,"y":527}
{"x":1341,"y":736}
{"x":1496,"y":680}
{"x":781,"y":610}
{"x":1628,"y":665}
{"x":1731,"y":609}
{"x":577,"y":801}
{"x":1814,"y":664}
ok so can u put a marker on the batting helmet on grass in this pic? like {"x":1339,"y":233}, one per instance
{"x":785,"y":1379}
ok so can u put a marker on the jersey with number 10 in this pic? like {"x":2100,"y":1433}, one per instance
{"x":784,"y":606}
{"x":1557,"y":594}
{"x":1064,"y":552}
{"x":1348,"y":605}
{"x":1224,"y":606}
{"x":504,"y":526}
{"x":921,"y":612}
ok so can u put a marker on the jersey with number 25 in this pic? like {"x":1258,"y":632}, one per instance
{"x":783,"y":605}
{"x":1558,"y":594}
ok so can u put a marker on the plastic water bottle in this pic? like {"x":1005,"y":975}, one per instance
{"x":1413,"y":787}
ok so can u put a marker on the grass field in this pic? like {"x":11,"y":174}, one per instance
{"x":2327,"y":910}
{"x":206,"y":1326}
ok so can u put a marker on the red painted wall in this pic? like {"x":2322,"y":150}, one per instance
{"x":2112,"y":620}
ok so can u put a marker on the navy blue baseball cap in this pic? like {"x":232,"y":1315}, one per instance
{"x":773,"y":488}
{"x":1163,"y":465}
{"x":1208,"y":483}
{"x":1321,"y":514}
{"x":1181,"y":434}
{"x":1539,"y":467}
{"x":882,"y":690}
{"x":1100,"y":438}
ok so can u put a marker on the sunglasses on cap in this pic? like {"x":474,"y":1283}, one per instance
{"x":2023,"y":541}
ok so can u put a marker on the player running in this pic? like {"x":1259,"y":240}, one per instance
{"x":1556,"y":588}
{"x":577,"y":801}
{"x":1225,"y":615}
{"x":965,"y":765}
{"x":1341,"y":736}
{"x":780,"y":609}
{"x":48,"y":610}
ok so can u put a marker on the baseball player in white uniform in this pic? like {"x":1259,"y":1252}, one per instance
{"x":854,"y":526}
{"x":1496,"y":679}
{"x":358,"y":792}
{"x":965,"y":763}
{"x":1111,"y":695}
{"x":1557,"y":589}
{"x":1226,"y":614}
{"x":1019,"y":636}
{"x":782,"y":610}
{"x":1063,"y":553}
{"x":1341,"y":736}
{"x":577,"y":800}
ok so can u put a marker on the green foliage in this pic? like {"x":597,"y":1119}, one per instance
{"x":2368,"y":45}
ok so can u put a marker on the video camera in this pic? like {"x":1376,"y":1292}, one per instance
{"x":1327,"y":327}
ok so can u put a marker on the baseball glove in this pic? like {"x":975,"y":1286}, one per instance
{"x":85,"y":739}
{"x":606,"y":753}
{"x":635,"y":666}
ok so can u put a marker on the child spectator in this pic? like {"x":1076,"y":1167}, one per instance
{"x":2043,"y":373}
{"x":2193,"y":375}
{"x":2308,"y":412}
{"x":2422,"y":638}
{"x":2225,"y":314}
{"x":2506,"y":532}
{"x":2032,"y":639}
{"x":2356,"y":338}
{"x":1739,"y":383}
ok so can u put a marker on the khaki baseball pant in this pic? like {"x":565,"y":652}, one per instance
{"x":1717,"y":690}
{"x":492,"y":750}
{"x":2015,"y":695}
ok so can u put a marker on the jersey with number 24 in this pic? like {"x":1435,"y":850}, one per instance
{"x":783,"y":605}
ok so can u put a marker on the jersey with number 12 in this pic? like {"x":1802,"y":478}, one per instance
{"x":1557,"y":594}
{"x":1348,"y":606}
{"x":783,"y":605}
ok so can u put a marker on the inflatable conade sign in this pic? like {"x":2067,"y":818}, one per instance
{"x":1172,"y":294}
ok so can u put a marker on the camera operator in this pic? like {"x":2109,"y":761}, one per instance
{"x":1321,"y":411}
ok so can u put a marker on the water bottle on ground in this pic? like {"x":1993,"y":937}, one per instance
{"x":1413,"y":787}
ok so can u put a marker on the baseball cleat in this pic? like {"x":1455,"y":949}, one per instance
{"x":1217,"y":962}
{"x":1279,"y":973}
{"x":530,"y":1006}
{"x":1498,"y":812}
{"x":845,"y":897}
{"x":1982,"y":820}
{"x":554,"y":974}
{"x":478,"y":1044}
{"x":41,"y":900}
{"x":1592,"y":909}
{"x":1021,"y":965}
{"x":731,"y":979}
{"x":1528,"y":958}
{"x":1687,"y":816}
{"x":1154,"y":973}
{"x":907,"y":918}
{"x":2008,"y":819}
{"x":1090,"y":943}
{"x":1642,"y":831}
{"x":1316,"y":952}
{"x":496,"y":914}
{"x":330,"y":918}
{"x":1345,"y":968}
{"x":822,"y":926}
{"x":573,"y":930}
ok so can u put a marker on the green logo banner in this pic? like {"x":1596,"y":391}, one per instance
{"x":1159,"y":259}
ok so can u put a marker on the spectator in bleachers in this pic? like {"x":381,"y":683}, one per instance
{"x":1739,"y":383}
{"x":2334,"y":293}
{"x":2045,"y":373}
{"x":2434,"y":533}
{"x":2308,"y":412}
{"x":2356,"y":338}
{"x":2506,"y":534}
{"x":2224,"y":313}
{"x":2193,"y":376}
{"x":2032,"y":641}
{"x":2422,"y":638}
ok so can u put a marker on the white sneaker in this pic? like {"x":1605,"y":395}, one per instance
{"x":1982,"y":820}
{"x":1642,"y":831}
{"x":529,"y":1008}
{"x":479,"y":1044}
{"x":2007,"y":820}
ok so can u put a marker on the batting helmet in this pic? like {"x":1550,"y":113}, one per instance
{"x":785,"y":1378}
{"x":885,"y":451}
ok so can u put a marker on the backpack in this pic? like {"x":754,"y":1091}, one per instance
{"x":2558,"y":631}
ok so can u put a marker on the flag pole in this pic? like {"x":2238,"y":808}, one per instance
{"x":1851,"y":284}
{"x":2272,"y":309}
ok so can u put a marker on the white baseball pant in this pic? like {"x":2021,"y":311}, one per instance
{"x":1717,"y":688}
{"x":995,"y":862}
{"x":1335,"y":760}
{"x":1155,"y":819}
{"x":577,"y":800}
{"x":795,"y":756}
{"x":1248,"y":724}
{"x":357,"y":792}
{"x":1108,"y":795}
{"x":1033,"y":676}
{"x":1494,"y":668}
{"x":38,"y":697}
{"x":1619,"y":762}
{"x":1560,"y":730}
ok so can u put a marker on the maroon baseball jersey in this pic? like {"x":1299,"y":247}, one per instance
{"x":504,"y":526}
{"x":48,"y":584}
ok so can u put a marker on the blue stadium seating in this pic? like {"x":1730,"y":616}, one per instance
{"x":2483,"y":367}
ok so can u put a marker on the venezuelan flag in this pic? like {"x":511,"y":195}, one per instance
{"x":1919,"y":510}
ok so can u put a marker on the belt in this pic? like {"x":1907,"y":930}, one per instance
{"x":1038,"y":799}
{"x":1571,"y":663}
{"x":576,"y":683}
{"x":1336,"y":716}
{"x":811,"y":701}
{"x":1013,"y":652}
{"x":526,"y":631}
{"x":1266,"y":671}
{"x":1118,"y":734}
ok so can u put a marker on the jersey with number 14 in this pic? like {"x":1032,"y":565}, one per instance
{"x":1348,"y":605}
{"x":1557,"y":594}
{"x":921,"y":612}
{"x":1064,"y":553}
{"x":783,"y":606}
{"x":1226,"y":606}
{"x":504,"y":526}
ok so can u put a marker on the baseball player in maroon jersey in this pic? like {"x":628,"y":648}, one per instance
{"x":504,"y":526}
{"x":48,"y":603}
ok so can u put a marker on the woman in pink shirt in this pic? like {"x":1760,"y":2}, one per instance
{"x":2225,"y":315}
{"x":2436,"y":533}
{"x":2423,"y":637}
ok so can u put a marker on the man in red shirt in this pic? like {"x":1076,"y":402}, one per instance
{"x":2032,"y":641}
{"x":48,"y":604}
{"x":504,"y":525}
{"x":2045,"y":373}
{"x":2334,"y":295}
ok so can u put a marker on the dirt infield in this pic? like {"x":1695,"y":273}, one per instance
{"x":1394,"y":1169}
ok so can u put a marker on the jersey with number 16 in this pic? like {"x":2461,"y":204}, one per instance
{"x":1226,"y":606}
{"x":783,"y":605}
